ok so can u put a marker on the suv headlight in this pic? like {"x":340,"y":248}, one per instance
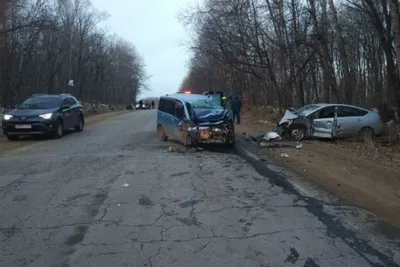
{"x":7,"y":117}
{"x":46,"y":116}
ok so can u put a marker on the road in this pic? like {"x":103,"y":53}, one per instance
{"x":114,"y":196}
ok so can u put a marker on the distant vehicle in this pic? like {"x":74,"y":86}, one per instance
{"x":142,"y":105}
{"x":44,"y":114}
{"x":329,"y":121}
{"x":194,"y":119}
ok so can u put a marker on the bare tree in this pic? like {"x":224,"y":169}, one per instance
{"x":46,"y":43}
{"x":286,"y":52}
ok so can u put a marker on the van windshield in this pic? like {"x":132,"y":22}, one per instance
{"x":206,"y":104}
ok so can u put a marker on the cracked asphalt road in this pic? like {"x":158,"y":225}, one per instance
{"x":63,"y":203}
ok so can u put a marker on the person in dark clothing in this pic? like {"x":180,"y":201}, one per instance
{"x":236,"y":106}
{"x":140,"y":104}
{"x":152,"y":104}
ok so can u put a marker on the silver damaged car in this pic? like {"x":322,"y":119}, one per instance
{"x":329,"y":121}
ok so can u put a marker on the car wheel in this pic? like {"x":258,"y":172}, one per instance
{"x":298,"y":133}
{"x":13,"y":137}
{"x":81,"y":125}
{"x":366,"y":133}
{"x":60,"y":130}
{"x":161,"y":133}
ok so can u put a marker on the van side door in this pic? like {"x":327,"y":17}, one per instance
{"x":179,"y":115}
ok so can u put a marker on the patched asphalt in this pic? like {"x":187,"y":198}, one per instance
{"x":114,"y":195}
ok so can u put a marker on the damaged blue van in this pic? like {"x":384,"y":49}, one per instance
{"x":195,"y":119}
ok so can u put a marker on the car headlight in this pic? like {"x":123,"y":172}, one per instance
{"x":46,"y":116}
{"x":7,"y":117}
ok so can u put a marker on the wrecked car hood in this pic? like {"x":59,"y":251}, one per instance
{"x":211,"y":116}
{"x":289,"y":116}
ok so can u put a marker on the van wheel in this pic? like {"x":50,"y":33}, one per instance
{"x":161,"y":133}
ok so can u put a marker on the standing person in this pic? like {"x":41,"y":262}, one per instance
{"x":141,"y":104}
{"x":152,"y":104}
{"x":236,"y":106}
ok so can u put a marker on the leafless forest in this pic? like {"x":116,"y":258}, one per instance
{"x":46,"y":43}
{"x":293,"y":52}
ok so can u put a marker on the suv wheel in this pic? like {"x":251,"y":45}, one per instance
{"x":60,"y":130}
{"x":13,"y":137}
{"x":81,"y":124}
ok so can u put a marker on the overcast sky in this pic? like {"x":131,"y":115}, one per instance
{"x":152,"y":26}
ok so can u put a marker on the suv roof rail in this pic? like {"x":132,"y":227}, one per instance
{"x":66,"y":94}
{"x":38,"y":94}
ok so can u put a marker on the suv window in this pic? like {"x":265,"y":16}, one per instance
{"x":325,"y":113}
{"x":69,"y":101}
{"x":350,"y":112}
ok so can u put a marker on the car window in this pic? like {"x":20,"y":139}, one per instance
{"x":325,"y":113}
{"x":40,"y":103}
{"x":306,"y":110}
{"x":350,"y":112}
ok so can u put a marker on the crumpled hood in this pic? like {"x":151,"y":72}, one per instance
{"x":211,"y":115}
{"x":289,"y":116}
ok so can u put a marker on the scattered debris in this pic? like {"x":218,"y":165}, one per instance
{"x":119,"y":205}
{"x":249,"y":138}
{"x":270,"y":145}
{"x":176,"y":149}
{"x":125,"y":185}
{"x":271,"y":136}
{"x":283,"y":155}
{"x":182,"y":149}
{"x":299,"y":146}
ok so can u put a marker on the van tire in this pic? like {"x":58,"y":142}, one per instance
{"x":161,"y":133}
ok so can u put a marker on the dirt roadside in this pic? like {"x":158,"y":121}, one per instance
{"x":7,"y":146}
{"x":363,"y":174}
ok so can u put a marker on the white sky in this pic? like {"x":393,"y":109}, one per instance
{"x":152,"y":26}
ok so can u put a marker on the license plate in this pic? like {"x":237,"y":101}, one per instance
{"x":23,"y":126}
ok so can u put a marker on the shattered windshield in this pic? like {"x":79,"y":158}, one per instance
{"x":306,"y":110}
{"x":206,"y":104}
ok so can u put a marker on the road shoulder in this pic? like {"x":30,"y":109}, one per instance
{"x":7,"y":146}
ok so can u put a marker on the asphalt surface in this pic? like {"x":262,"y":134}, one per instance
{"x":114,"y":196}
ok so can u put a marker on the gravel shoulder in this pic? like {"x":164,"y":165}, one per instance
{"x":363,"y":174}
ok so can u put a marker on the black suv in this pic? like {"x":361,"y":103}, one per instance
{"x":44,"y":114}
